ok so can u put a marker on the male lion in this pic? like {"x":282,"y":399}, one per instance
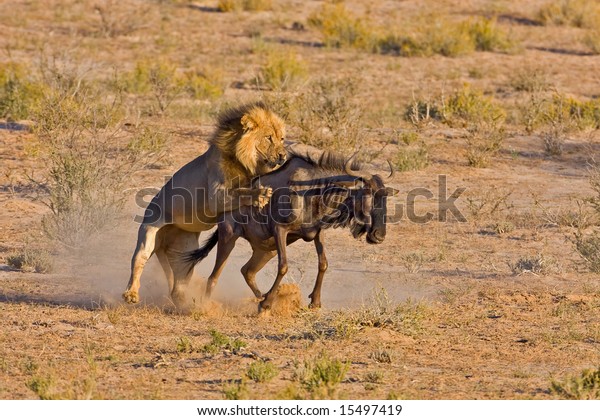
{"x":248,"y":141}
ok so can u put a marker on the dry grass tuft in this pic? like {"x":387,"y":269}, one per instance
{"x":586,"y":386}
{"x":539,"y":264}
{"x":31,"y":259}
{"x":578,"y":13}
{"x":244,"y":5}
{"x":282,"y":71}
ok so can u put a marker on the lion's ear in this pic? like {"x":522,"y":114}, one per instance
{"x":247,"y":123}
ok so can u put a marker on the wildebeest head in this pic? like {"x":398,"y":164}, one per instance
{"x":368,"y":198}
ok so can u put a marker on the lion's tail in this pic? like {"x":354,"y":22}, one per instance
{"x":194,"y":257}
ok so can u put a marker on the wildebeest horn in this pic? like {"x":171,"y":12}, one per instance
{"x":392,"y":170}
{"x":359,"y":174}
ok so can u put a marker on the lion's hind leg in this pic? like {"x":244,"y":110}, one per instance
{"x":143,"y":251}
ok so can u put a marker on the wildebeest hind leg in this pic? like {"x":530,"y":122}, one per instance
{"x":178,"y":243}
{"x":254,"y":265}
{"x":227,"y":238}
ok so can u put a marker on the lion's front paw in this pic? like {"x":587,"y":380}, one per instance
{"x":263,"y":197}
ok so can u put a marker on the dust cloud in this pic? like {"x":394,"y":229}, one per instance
{"x":96,"y":275}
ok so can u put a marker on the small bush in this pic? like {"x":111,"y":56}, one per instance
{"x":502,"y":227}
{"x":578,"y":13}
{"x":484,"y":141}
{"x":42,"y":386}
{"x":409,"y":137}
{"x":203,"y":84}
{"x":340,"y":28}
{"x":260,"y":371}
{"x":18,"y":92}
{"x":282,"y":71}
{"x":538,"y":264}
{"x":592,"y":41}
{"x":586,"y":386}
{"x":244,"y":5}
{"x":447,"y":39}
{"x":411,"y":158}
{"x":236,"y":390}
{"x":588,"y":247}
{"x":220,"y":341}
{"x":184,"y":345}
{"x":421,"y":112}
{"x":321,"y":375}
{"x":530,"y":80}
{"x":413,"y":262}
{"x":326,"y":114}
{"x":469,"y":105}
{"x":150,"y":144}
{"x":488,"y":37}
{"x":374,"y":377}
{"x":381,"y":355}
{"x":31,"y":259}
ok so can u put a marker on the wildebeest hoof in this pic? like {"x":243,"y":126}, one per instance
{"x":314,"y":306}
{"x":131,"y":297}
{"x":264,"y":312}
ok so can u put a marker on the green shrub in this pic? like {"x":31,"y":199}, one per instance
{"x":203,"y":84}
{"x":484,"y":141}
{"x":260,"y":371}
{"x":447,"y":39}
{"x":586,"y":386}
{"x":487,"y":36}
{"x":469,"y":105}
{"x":220,"y":341}
{"x":184,"y":345}
{"x":244,"y":5}
{"x":579,"y":13}
{"x":588,"y":247}
{"x":18,"y":92}
{"x":412,"y":158}
{"x":321,"y":375}
{"x":282,"y":70}
{"x":340,"y":28}
{"x":236,"y":390}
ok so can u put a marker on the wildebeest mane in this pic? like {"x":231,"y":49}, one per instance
{"x":330,"y":161}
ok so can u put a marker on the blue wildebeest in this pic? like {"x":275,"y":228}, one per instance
{"x":308,"y":198}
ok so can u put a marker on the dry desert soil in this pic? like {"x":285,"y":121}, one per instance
{"x":498,"y":306}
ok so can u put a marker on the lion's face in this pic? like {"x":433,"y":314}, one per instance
{"x":261,"y":149}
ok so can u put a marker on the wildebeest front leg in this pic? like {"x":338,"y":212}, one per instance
{"x":227,"y":238}
{"x":315,"y":296}
{"x":282,"y":268}
{"x":254,"y":265}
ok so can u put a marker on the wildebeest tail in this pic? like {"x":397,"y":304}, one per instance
{"x":194,"y":257}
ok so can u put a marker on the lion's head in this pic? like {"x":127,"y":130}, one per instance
{"x":252,"y":136}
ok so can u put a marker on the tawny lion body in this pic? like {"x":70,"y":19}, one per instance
{"x":248,"y":141}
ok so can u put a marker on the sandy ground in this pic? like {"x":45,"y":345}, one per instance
{"x":459,"y":323}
